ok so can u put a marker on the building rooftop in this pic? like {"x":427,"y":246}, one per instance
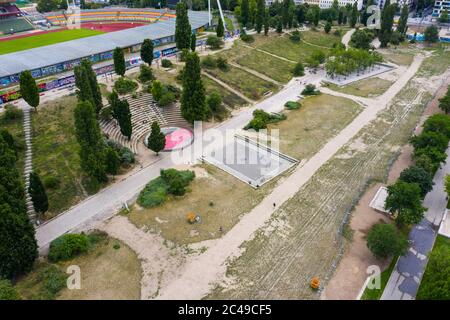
{"x":16,"y":62}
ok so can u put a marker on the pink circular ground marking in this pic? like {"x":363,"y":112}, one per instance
{"x":176,"y":138}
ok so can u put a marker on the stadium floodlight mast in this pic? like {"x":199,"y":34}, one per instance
{"x":220,"y":11}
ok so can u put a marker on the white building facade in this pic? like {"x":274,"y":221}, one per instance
{"x":439,"y":6}
{"x":323,"y":4}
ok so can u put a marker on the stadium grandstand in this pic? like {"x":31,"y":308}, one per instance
{"x":11,"y":19}
{"x":60,"y":57}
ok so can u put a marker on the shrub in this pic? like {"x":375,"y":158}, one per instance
{"x":261,"y":119}
{"x":166,"y":63}
{"x":154,"y":193}
{"x":214,"y":101}
{"x":166,"y":98}
{"x":12,"y":113}
{"x":124,"y":86}
{"x":384,"y":241}
{"x":214,"y":42}
{"x":145,"y":74}
{"x":106,"y":113}
{"x":295,"y":36}
{"x":177,"y":181}
{"x":7,"y":291}
{"x":50,"y":280}
{"x":292,"y":105}
{"x":299,"y":70}
{"x":222,"y":63}
{"x":68,"y":246}
{"x":310,"y":90}
{"x":209,"y":62}
{"x":51,"y":182}
{"x":247,"y":38}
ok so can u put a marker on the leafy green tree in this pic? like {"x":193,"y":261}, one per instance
{"x":18,"y":247}
{"x":9,"y":140}
{"x":279,"y":26}
{"x":438,"y":123}
{"x":245,"y":12}
{"x":193,"y":42}
{"x":444,"y":16}
{"x":365,"y":15}
{"x":220,"y":30}
{"x":147,"y":51}
{"x":444,"y":103}
{"x":431,"y":34}
{"x":157,"y":90}
{"x":96,"y":99}
{"x":214,"y":101}
{"x":156,"y":140}
{"x":89,"y":138}
{"x":38,"y":194}
{"x":260,"y":15}
{"x":119,"y":61}
{"x":327,"y":27}
{"x":145,"y":73}
{"x":8,"y":292}
{"x":384,"y":241}
{"x":299,"y":70}
{"x":29,"y":89}
{"x":354,"y":15}
{"x":361,"y":39}
{"x":402,"y":22}
{"x":193,"y":100}
{"x":121,"y":112}
{"x":419,"y":175}
{"x":405,"y":200}
{"x":183,"y":29}
{"x":430,"y":139}
{"x":387,"y":21}
{"x":214,"y":42}
{"x":447,"y":184}
{"x":112,"y":161}
{"x":84,"y":91}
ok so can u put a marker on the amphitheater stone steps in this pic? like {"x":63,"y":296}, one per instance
{"x":28,"y":166}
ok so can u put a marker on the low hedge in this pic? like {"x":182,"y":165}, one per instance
{"x":68,"y":246}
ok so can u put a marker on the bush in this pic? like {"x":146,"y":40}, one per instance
{"x":166,"y":63}
{"x":166,"y":98}
{"x":247,"y":38}
{"x":50,"y":280}
{"x":125,"y":154}
{"x":299,"y":70}
{"x":209,"y":62}
{"x":384,"y":241}
{"x":51,"y":182}
{"x":295,"y":36}
{"x":154,"y":193}
{"x":7,"y":291}
{"x":124,"y":86}
{"x":106,"y":113}
{"x":292,"y":105}
{"x":145,"y":74}
{"x":214,"y":42}
{"x":68,"y":246}
{"x":310,"y":90}
{"x":177,"y":181}
{"x":222,"y":63}
{"x":12,"y":113}
{"x":261,"y":119}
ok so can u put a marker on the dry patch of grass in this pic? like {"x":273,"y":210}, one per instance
{"x":229,"y":98}
{"x":318,"y":120}
{"x":111,"y":271}
{"x":370,"y":87}
{"x":398,"y":57}
{"x":321,"y":38}
{"x":219,"y":198}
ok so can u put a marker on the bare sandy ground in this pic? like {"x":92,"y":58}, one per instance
{"x":213,"y":262}
{"x":351,"y":273}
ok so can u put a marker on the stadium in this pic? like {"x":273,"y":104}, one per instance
{"x":43,"y":44}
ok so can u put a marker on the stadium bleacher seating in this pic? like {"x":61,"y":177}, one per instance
{"x":113,"y":15}
{"x":11,"y":20}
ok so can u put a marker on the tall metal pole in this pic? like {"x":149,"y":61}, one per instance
{"x":221,"y":15}
{"x":209,"y":13}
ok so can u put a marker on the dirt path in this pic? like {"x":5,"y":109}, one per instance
{"x":213,"y":262}
{"x":255,"y":73}
{"x":347,"y":36}
{"x":159,"y":263}
{"x":226,"y":86}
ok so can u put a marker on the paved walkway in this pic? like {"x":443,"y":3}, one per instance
{"x":405,"y":279}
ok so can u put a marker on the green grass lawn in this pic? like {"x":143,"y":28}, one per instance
{"x":375,"y":294}
{"x":435,"y":283}
{"x":229,"y":98}
{"x":364,"y":88}
{"x":45,"y":39}
{"x":320,"y":38}
{"x":250,"y":85}
{"x":282,"y":46}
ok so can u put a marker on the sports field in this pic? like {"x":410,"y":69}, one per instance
{"x":45,"y":39}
